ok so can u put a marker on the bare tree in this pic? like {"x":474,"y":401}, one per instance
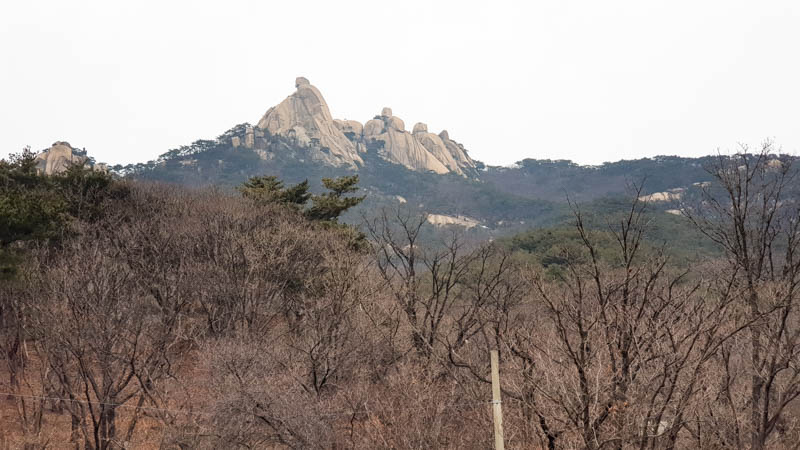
{"x":109,"y":334}
{"x":445,"y":291}
{"x":610,"y":352}
{"x":751,"y":211}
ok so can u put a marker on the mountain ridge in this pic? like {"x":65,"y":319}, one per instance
{"x":299,"y":139}
{"x":305,"y":120}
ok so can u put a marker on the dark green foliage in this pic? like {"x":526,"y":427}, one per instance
{"x":558,"y":178}
{"x":269,"y":189}
{"x":29,"y":207}
{"x":326,"y":207}
{"x":330,"y":205}
{"x":87,"y":192}
{"x":556,"y":247}
{"x":36,"y":207}
{"x":237,"y":131}
{"x":553,"y":247}
{"x":221,"y":164}
{"x":505,"y":200}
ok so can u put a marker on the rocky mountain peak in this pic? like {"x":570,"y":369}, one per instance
{"x":305,"y":118}
{"x":301,"y":81}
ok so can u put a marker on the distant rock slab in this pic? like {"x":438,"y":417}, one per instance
{"x":441,"y":220}
{"x":668,"y":196}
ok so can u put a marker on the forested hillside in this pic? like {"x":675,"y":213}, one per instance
{"x":138,"y":314}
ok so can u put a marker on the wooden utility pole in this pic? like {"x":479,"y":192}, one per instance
{"x":497,"y":405}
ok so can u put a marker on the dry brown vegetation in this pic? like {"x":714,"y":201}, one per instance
{"x":196,"y":319}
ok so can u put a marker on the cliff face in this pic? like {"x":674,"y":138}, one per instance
{"x":60,"y":156}
{"x":304,"y":117}
{"x":399,"y":146}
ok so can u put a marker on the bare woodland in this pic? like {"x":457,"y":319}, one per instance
{"x":199,"y":319}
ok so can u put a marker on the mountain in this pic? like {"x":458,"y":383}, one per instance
{"x":304,"y":120}
{"x":299,"y":139}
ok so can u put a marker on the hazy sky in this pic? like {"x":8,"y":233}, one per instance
{"x":586,"y":80}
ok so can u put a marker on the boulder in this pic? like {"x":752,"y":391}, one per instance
{"x":396,"y":123}
{"x":373,"y":127}
{"x":350,"y":126}
{"x":386,"y":112}
{"x":420,"y":128}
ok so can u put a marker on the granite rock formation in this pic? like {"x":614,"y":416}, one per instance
{"x":304,"y":118}
{"x":60,"y":156}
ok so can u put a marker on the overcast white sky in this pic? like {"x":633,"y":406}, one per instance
{"x":583,"y":80}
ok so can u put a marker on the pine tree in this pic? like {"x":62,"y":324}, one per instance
{"x":269,"y":189}
{"x":330,"y":205}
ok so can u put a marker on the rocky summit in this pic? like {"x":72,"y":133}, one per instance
{"x":60,"y":156}
{"x":304,"y":116}
{"x":304,"y":119}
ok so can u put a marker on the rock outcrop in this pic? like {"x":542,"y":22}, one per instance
{"x":457,"y":151}
{"x":668,"y":196}
{"x":436,"y":147}
{"x":350,"y":126}
{"x":373,"y":127}
{"x":60,"y":156}
{"x":418,"y":150}
{"x":441,"y":220}
{"x":402,"y":148}
{"x":304,"y":117}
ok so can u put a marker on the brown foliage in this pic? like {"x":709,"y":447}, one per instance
{"x":197,"y":319}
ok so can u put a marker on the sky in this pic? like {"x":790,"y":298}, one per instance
{"x":582,"y":80}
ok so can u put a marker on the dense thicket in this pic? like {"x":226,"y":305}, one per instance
{"x":148,"y":316}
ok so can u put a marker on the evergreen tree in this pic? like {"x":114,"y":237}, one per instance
{"x":29,"y":208}
{"x":330,"y":205}
{"x":86,"y":191}
{"x":269,"y":189}
{"x":38,"y":207}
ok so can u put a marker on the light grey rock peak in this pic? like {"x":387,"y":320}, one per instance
{"x":60,"y":156}
{"x":304,"y":117}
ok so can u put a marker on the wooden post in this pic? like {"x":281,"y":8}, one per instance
{"x":497,"y":405}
